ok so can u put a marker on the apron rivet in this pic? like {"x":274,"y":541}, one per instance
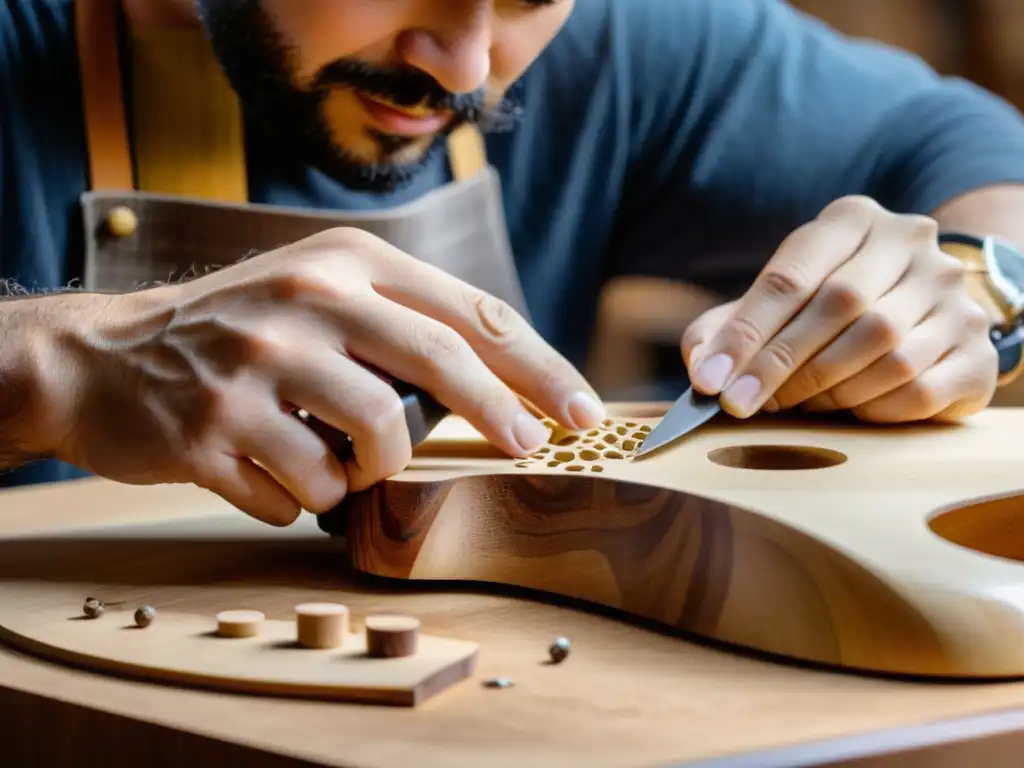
{"x":122,"y":221}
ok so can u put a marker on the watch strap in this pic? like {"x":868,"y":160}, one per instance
{"x":996,"y":295}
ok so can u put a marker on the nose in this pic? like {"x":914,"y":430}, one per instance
{"x":455,"y":50}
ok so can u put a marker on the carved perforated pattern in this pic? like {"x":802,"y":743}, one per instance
{"x":614,"y":440}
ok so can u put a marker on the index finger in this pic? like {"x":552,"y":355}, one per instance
{"x":501,"y":337}
{"x":786,"y":284}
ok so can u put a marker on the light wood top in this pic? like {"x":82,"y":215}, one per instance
{"x":626,"y":696}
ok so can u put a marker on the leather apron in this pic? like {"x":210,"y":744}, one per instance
{"x":171,"y":201}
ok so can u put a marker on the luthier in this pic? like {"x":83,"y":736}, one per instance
{"x":710,"y":541}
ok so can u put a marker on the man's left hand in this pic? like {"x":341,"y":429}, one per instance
{"x":858,"y":310}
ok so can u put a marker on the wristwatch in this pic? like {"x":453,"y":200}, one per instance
{"x":995,"y":280}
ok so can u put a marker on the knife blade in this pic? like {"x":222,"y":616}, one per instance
{"x":690,"y":411}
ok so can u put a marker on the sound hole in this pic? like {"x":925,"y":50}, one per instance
{"x":991,"y":527}
{"x":776,"y":458}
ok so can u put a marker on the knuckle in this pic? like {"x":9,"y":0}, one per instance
{"x":975,"y":320}
{"x":843,"y":397}
{"x":785,"y":282}
{"x":813,"y":378}
{"x":324,"y":500}
{"x":952,"y":271}
{"x":356,"y":244}
{"x":380,"y":416}
{"x":919,"y":227}
{"x":904,"y":369}
{"x":265,"y":347}
{"x":841,"y":298}
{"x":880,"y":332}
{"x":744,"y":332}
{"x":297,"y":283}
{"x":925,"y":398}
{"x":808,"y":381}
{"x":782,"y":355}
{"x":343,"y":237}
{"x":495,"y":319}
{"x":438,"y":344}
{"x":855,"y":206}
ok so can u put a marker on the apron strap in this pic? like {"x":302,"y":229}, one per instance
{"x":189,"y":141}
{"x":189,"y":136}
{"x":110,"y":162}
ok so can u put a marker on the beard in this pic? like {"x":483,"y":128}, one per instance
{"x":259,"y":64}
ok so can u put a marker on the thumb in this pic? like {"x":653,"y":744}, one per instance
{"x":701,"y":330}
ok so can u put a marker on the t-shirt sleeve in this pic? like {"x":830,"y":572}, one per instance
{"x":749,"y":117}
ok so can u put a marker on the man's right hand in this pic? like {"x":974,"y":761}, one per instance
{"x":199,"y":381}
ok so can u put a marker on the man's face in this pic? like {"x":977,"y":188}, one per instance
{"x":366,"y":90}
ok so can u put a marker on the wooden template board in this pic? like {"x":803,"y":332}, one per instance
{"x":184,"y":649}
{"x":629,"y":694}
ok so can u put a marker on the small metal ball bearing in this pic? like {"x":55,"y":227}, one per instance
{"x":559,"y":650}
{"x":498,"y":682}
{"x":145,"y":615}
{"x":93,"y":608}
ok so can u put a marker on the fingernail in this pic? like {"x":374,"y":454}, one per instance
{"x":744,"y":392}
{"x":584,"y":411}
{"x":714,"y":372}
{"x":529,"y":432}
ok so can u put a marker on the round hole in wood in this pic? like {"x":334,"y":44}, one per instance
{"x":776,"y":457}
{"x":993,"y":526}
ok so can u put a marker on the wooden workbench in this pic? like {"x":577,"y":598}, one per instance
{"x":627,"y":696}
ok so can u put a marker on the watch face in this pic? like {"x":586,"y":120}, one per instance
{"x":1006,"y":267}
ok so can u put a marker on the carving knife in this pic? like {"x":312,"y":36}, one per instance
{"x":690,"y":411}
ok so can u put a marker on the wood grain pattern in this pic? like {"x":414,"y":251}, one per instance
{"x":631,"y":694}
{"x":770,"y":537}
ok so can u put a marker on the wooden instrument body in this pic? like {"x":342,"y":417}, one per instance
{"x":882,"y":549}
{"x":627,"y":695}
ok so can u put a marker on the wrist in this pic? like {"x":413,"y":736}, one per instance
{"x":75,"y":360}
{"x":995,"y":282}
{"x":34,"y":375}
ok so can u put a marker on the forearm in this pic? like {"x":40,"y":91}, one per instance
{"x":992,"y":210}
{"x":34,"y":377}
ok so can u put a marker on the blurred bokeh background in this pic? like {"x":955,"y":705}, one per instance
{"x":635,"y":354}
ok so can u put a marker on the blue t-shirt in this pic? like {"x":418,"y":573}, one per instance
{"x":679,"y":138}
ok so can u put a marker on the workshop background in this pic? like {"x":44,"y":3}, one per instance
{"x":635,"y":352}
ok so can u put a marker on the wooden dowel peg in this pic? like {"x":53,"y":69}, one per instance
{"x":390,"y":637}
{"x":321,"y":625}
{"x":242,"y":623}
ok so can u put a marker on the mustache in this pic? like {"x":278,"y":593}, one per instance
{"x":409,"y":87}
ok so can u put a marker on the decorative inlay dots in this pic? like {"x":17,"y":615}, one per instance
{"x":584,"y":451}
